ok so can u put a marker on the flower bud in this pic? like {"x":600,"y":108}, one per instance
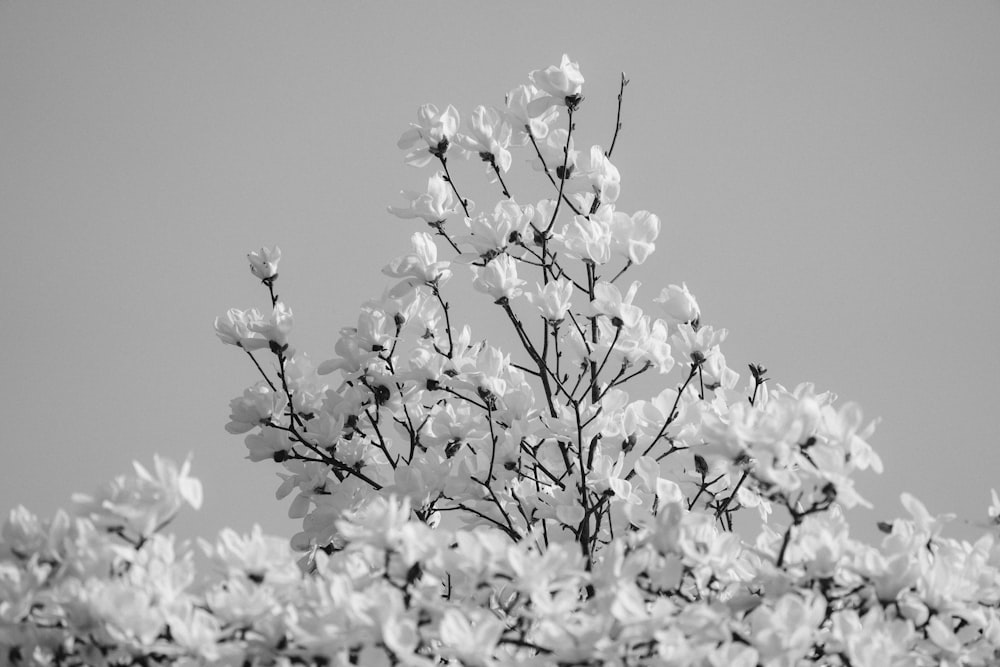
{"x":264,"y":263}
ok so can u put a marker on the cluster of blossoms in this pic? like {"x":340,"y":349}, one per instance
{"x":468,"y":505}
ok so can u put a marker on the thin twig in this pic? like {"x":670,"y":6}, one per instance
{"x":618,"y":120}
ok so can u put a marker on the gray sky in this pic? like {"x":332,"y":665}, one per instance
{"x":827,"y":176}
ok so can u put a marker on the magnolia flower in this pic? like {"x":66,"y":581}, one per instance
{"x":256,"y":407}
{"x":255,"y":555}
{"x":238,"y":329}
{"x":433,"y":206}
{"x":145,"y":501}
{"x":490,"y":371}
{"x":696,"y":345}
{"x":653,"y":345}
{"x":498,"y":278}
{"x":784,"y":630}
{"x":431,"y":135}
{"x":678,"y":303}
{"x":488,"y":137}
{"x":555,"y":151}
{"x":586,"y":239}
{"x":419,"y":267}
{"x":608,"y":474}
{"x":352,"y":359}
{"x":553,"y":300}
{"x":491,"y":233}
{"x":602,"y":176}
{"x":471,"y":640}
{"x":563,"y":83}
{"x":632,"y":236}
{"x":264,"y":263}
{"x":129,"y":615}
{"x":608,"y":301}
{"x":522,"y":121}
{"x":198,"y":631}
{"x":264,"y":445}
{"x":715,"y":373}
{"x":276,"y":329}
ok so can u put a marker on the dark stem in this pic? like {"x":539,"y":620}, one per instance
{"x":562,"y":173}
{"x":496,"y":170}
{"x":618,"y":119}
{"x":545,"y":168}
{"x":447,"y":177}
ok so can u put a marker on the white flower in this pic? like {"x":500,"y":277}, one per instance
{"x":264,"y":445}
{"x":499,"y":278}
{"x":257,"y":406}
{"x":198,"y":631}
{"x":143,"y":502}
{"x":238,"y":329}
{"x":552,"y":153}
{"x":603,"y":177}
{"x":696,"y":345}
{"x":633,"y":236}
{"x":562,"y":82}
{"x":491,"y":233}
{"x":587,"y":239}
{"x":431,"y":135}
{"x":264,"y":263}
{"x":522,"y":121}
{"x":678,"y":303}
{"x":254,"y":555}
{"x":488,"y":137}
{"x":433,"y":206}
{"x":276,"y":329}
{"x":421,"y":267}
{"x":470,"y":638}
{"x":608,"y":301}
{"x":553,"y":300}
{"x":653,"y":337}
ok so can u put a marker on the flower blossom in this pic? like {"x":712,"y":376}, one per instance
{"x":632,"y":236}
{"x":488,"y":137}
{"x":610,"y":302}
{"x":275,"y":330}
{"x":238,"y":329}
{"x":679,"y":303}
{"x":562,"y":82}
{"x":146,"y":501}
{"x":263,"y":446}
{"x":696,"y":345}
{"x":431,"y":135}
{"x":602,"y":177}
{"x":553,"y":300}
{"x":555,"y":151}
{"x":433,"y":206}
{"x":264,"y":263}
{"x":523,"y":122}
{"x":472,"y":641}
{"x":588,"y":239}
{"x":491,"y":233}
{"x":421,"y":267}
{"x":257,"y":406}
{"x":499,"y":278}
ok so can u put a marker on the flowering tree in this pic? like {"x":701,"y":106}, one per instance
{"x":465,"y":504}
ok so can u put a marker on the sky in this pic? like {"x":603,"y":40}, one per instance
{"x":826,"y":175}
